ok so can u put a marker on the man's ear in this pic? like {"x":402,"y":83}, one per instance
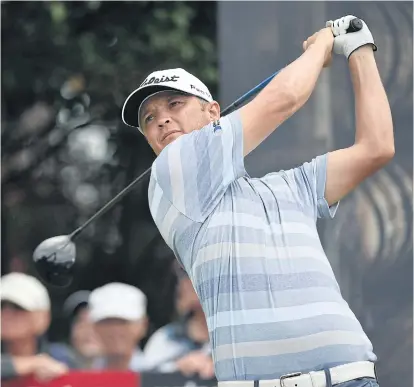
{"x":214,"y":111}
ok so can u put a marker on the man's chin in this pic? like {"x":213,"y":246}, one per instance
{"x":169,"y":139}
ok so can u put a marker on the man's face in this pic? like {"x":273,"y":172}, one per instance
{"x":83,"y":337}
{"x":168,"y":115}
{"x":120,"y":337}
{"x":16,"y":323}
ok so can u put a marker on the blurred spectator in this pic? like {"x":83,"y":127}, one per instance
{"x":182,"y":345}
{"x":25,"y":318}
{"x":82,"y":337}
{"x":120,"y":319}
{"x":42,"y":367}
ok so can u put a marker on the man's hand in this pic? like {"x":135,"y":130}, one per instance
{"x":346,"y":43}
{"x":196,"y":362}
{"x":45,"y":368}
{"x":42,"y":367}
{"x":325,"y":37}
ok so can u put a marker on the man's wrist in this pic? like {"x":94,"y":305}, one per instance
{"x":319,"y":49}
{"x":362,"y":66}
{"x":24,"y":365}
{"x":362,"y":53}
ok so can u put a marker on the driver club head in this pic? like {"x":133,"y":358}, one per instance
{"x":54,"y":259}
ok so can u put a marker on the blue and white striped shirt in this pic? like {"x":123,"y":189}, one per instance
{"x":253,"y":253}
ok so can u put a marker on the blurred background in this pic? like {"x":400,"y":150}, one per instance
{"x":67,"y":68}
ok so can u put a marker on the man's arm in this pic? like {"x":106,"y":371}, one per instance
{"x":374,"y":139}
{"x":286,"y":93}
{"x":43,"y":367}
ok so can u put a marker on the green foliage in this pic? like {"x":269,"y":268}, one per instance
{"x":113,"y":44}
{"x":68,"y":63}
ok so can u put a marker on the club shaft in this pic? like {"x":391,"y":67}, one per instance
{"x":240,"y":101}
{"x":251,"y":93}
{"x":110,"y":204}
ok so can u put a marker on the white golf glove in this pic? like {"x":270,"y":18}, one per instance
{"x":347,"y":42}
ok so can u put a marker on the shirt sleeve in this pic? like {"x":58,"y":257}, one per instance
{"x":195,"y":170}
{"x":7,"y":367}
{"x":310,"y":180}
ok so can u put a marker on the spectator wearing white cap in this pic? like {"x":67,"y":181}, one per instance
{"x":25,"y":318}
{"x":119,"y":314}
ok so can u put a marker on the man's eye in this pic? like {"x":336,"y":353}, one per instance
{"x":174,"y":103}
{"x":148,"y":118}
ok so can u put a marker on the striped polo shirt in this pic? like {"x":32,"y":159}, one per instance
{"x":253,"y":253}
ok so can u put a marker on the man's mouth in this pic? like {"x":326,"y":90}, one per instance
{"x":168,"y":134}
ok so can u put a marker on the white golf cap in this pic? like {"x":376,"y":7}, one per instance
{"x":117,"y":300}
{"x":25,"y":291}
{"x":172,"y":79}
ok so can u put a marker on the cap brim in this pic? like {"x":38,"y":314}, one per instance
{"x":118,"y":314}
{"x":134,"y":101}
{"x":15,"y":299}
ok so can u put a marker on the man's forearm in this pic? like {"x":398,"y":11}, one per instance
{"x":300,"y":76}
{"x":283,"y":96}
{"x":15,"y":366}
{"x":24,"y":365}
{"x":374,"y":127}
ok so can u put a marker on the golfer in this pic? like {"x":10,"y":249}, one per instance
{"x":274,"y":309}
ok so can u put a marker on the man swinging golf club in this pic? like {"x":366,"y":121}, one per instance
{"x":274,"y":310}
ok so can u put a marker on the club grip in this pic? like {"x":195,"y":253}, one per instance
{"x":355,"y":25}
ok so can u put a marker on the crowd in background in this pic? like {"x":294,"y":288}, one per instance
{"x":107,"y":328}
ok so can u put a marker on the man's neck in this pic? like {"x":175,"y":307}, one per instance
{"x":119,"y":362}
{"x":24,"y":347}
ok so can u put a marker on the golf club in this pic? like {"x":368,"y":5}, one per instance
{"x":55,"y":257}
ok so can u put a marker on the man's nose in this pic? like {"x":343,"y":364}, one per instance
{"x":163,"y":121}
